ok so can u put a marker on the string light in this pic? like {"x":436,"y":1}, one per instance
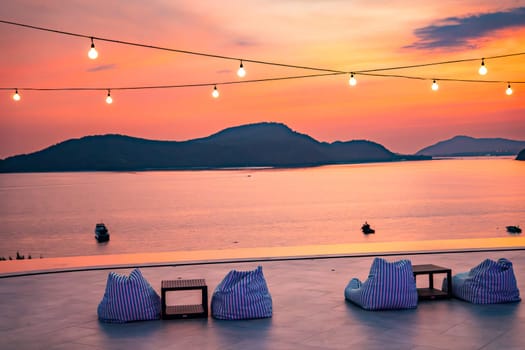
{"x":156,"y":87}
{"x":435,"y":86}
{"x":16,"y":96}
{"x":215,"y":92}
{"x":241,"y":72}
{"x":109,"y":99}
{"x":509,"y":90}
{"x":482,"y":69}
{"x":249,"y":60}
{"x":93,"y":54}
{"x":352,"y":80}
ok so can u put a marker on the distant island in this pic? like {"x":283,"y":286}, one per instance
{"x":266,"y":144}
{"x":464,"y":146}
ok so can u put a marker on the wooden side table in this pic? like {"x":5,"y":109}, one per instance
{"x":432,"y":293}
{"x":184,"y":311}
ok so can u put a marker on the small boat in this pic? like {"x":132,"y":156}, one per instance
{"x":101,"y":232}
{"x":367,"y":229}
{"x":513,"y":229}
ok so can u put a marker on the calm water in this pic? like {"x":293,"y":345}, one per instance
{"x":54,"y":214}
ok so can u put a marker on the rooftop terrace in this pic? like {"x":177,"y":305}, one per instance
{"x":58,"y":310}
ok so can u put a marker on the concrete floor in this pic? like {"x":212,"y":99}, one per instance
{"x":58,"y":311}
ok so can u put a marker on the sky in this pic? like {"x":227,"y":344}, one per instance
{"x":402,"y":114}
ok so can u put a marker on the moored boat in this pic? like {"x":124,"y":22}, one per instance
{"x":101,"y":232}
{"x":513,"y":229}
{"x":367,"y":229}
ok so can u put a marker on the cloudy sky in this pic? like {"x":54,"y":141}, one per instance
{"x":403,"y":114}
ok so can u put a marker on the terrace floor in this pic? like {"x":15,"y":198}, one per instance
{"x":59,"y":311}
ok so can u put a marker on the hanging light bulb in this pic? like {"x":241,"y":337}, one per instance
{"x":93,"y":54}
{"x":16,"y":96}
{"x":241,"y":72}
{"x":109,"y":99}
{"x":482,"y":69}
{"x":215,"y":92}
{"x":352,"y":80}
{"x":435,"y":86}
{"x":509,"y":90}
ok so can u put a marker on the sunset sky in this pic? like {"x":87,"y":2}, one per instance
{"x":402,"y":114}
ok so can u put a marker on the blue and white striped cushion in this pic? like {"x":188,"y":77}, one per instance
{"x":490,"y":282}
{"x":128,"y":299}
{"x":390,"y":285}
{"x":242,"y":295}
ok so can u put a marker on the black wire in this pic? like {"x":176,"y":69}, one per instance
{"x":150,"y":87}
{"x":252,"y":60}
{"x":170,"y":86}
{"x":169,"y":49}
{"x":442,"y":79}
{"x":329,"y":72}
{"x":439,"y":63}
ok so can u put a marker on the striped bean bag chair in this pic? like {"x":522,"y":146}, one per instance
{"x":128,"y":299}
{"x":490,"y":282}
{"x":242,"y":295}
{"x":390,"y":285}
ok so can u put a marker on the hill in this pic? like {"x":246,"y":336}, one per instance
{"x":470,"y":146}
{"x":253,"y":145}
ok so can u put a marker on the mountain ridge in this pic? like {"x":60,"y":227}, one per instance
{"x":462,"y":145}
{"x":264,"y":144}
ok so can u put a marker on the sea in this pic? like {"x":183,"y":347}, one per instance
{"x":54,"y":214}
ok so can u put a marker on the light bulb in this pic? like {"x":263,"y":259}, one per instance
{"x":109,"y":99}
{"x":509,"y":90}
{"x":215,"y":92}
{"x":482,"y":69}
{"x":93,"y":54}
{"x":352,"y":80}
{"x":435,"y":86}
{"x":241,"y":72}
{"x":16,"y":96}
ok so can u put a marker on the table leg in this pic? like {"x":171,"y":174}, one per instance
{"x":449,"y":284}
{"x":205,"y":300}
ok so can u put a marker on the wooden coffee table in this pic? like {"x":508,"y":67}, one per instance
{"x":184,"y":311}
{"x":432,"y":293}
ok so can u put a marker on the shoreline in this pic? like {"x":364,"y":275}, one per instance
{"x":14,"y":268}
